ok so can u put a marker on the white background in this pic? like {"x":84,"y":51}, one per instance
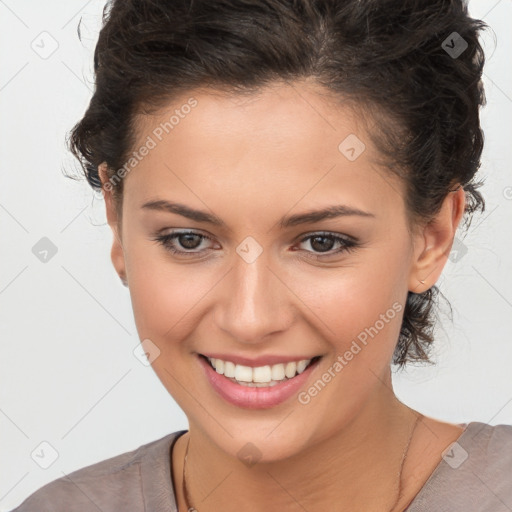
{"x":68,"y":373}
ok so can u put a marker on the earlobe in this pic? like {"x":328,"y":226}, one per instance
{"x":433,"y":246}
{"x":117,"y":252}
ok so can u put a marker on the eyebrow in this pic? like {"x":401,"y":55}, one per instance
{"x":312,"y":216}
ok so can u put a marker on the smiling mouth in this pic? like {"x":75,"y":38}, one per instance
{"x":259,"y":376}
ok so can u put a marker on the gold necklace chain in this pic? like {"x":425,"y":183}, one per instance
{"x":404,"y":456}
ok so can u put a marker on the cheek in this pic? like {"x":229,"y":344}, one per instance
{"x":165,"y":296}
{"x":361,"y":303}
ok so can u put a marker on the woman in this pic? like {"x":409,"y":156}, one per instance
{"x":284,"y":180}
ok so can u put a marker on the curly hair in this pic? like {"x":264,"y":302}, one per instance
{"x":396,"y":61}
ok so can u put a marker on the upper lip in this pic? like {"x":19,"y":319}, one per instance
{"x":258,"y":361}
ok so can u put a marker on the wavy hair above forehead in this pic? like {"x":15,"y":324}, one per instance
{"x":413,"y":67}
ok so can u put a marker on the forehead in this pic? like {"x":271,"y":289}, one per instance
{"x":279,"y":145}
{"x":275,"y":116}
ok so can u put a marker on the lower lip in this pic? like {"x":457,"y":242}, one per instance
{"x":253,"y":397}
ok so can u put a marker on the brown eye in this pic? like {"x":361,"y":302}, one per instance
{"x":189,"y":240}
{"x":322,"y":244}
{"x":183,"y":243}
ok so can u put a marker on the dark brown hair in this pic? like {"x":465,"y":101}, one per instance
{"x":415,"y":66}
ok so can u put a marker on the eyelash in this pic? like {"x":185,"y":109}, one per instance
{"x":347,"y":244}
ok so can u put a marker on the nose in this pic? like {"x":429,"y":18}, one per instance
{"x":255,"y":302}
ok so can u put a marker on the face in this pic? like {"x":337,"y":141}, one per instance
{"x":256,"y":281}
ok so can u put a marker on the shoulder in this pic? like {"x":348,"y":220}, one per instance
{"x":486,"y":451}
{"x":122,"y":482}
{"x":475,"y":473}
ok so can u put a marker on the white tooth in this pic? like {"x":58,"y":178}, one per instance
{"x":301,"y":365}
{"x":278,"y":372}
{"x":269,"y":375}
{"x":219,"y":366}
{"x":259,"y":384}
{"x":243,"y":373}
{"x":229,"y":369}
{"x":290,"y":369}
{"x":262,"y":374}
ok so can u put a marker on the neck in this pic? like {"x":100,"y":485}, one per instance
{"x":359,"y":467}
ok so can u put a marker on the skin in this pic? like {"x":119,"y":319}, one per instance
{"x":250,"y":161}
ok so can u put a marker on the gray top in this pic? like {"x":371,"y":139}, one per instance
{"x":474,"y":474}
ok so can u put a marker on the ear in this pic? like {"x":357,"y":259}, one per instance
{"x":116,"y":253}
{"x":434,"y":243}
